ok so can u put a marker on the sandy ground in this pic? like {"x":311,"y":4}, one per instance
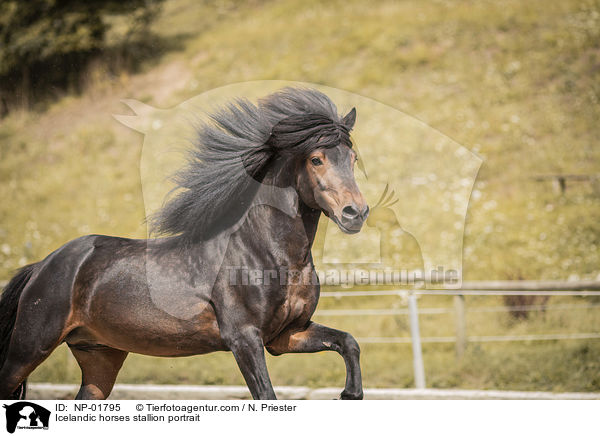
{"x":43,"y":391}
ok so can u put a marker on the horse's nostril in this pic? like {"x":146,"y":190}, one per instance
{"x":365,"y":213}
{"x":350,"y":212}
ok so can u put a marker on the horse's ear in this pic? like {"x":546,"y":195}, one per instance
{"x":350,"y":119}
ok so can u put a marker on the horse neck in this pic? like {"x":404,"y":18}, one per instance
{"x":280,"y":232}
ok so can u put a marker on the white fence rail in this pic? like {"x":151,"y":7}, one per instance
{"x":484,"y":288}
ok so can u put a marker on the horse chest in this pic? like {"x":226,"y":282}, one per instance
{"x":297,"y":307}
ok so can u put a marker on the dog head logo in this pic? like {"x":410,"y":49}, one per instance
{"x":26,"y":415}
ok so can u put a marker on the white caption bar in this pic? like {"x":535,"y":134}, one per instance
{"x":300,"y":417}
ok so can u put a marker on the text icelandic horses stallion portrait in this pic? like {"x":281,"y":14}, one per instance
{"x":250,"y":196}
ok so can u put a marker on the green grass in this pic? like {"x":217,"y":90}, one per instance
{"x":516,"y":82}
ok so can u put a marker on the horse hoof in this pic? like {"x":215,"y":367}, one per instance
{"x":351,"y":395}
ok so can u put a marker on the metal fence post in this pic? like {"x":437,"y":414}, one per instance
{"x":461,"y":327}
{"x":419,"y":368}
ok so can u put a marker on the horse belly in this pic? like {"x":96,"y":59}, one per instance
{"x":132,"y":322}
{"x":161,"y":337}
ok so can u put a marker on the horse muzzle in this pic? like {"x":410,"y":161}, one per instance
{"x":352,"y":218}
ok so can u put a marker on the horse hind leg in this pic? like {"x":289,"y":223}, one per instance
{"x":20,"y":363}
{"x":37,"y":332}
{"x":99,"y":368}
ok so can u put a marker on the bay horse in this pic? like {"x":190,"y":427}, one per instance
{"x":180,"y":293}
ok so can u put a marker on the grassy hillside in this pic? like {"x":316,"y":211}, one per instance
{"x":516,"y":82}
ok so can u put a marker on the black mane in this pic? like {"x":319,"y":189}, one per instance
{"x":213,"y":190}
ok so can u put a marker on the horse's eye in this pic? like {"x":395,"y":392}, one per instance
{"x":316,"y":161}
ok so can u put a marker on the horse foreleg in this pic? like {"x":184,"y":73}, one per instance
{"x":316,"y":337}
{"x":248,"y":350}
{"x":99,"y":368}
